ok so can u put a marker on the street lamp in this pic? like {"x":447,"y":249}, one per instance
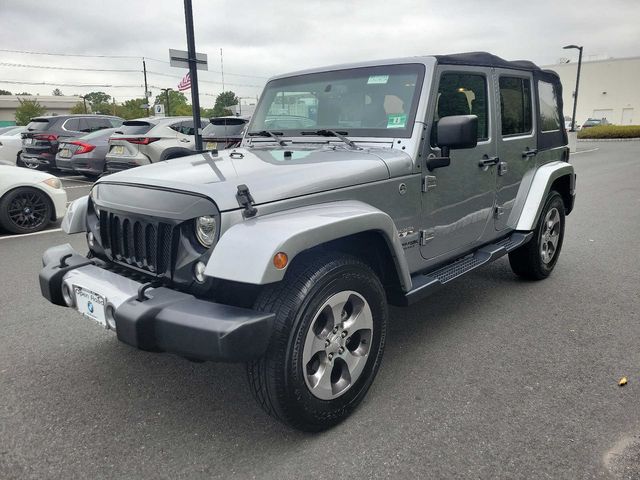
{"x":575,"y":95}
{"x":84,"y":100}
{"x":166,"y":96}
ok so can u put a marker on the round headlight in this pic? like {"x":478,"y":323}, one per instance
{"x":206,"y":230}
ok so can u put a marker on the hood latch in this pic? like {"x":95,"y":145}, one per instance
{"x":246,"y":201}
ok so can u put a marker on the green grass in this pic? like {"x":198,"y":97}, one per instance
{"x":611,"y":131}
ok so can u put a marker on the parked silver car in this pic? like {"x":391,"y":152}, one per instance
{"x":149,"y":140}
{"x":85,"y":154}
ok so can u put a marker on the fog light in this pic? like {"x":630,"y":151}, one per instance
{"x":91,"y":240}
{"x":67,"y":295}
{"x":110,"y":317}
{"x":198,"y":271}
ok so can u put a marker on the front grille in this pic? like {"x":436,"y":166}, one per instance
{"x":142,"y":243}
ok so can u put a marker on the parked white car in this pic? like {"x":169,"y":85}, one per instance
{"x":11,"y":145}
{"x":29,"y":200}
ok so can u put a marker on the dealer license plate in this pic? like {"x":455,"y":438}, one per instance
{"x":212,"y":145}
{"x":117,"y":149}
{"x":90,"y":304}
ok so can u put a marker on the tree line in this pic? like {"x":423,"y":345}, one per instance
{"x":103,"y":103}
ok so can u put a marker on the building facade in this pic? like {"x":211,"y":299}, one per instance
{"x":608,"y":89}
{"x":55,"y":105}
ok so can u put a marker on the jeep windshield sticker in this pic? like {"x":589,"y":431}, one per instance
{"x":378,"y":79}
{"x":280,"y":156}
{"x":397,"y":120}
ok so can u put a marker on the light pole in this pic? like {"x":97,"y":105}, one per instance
{"x":84,"y":100}
{"x":166,"y":96}
{"x":575,"y":95}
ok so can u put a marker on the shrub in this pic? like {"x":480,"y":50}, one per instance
{"x":611,"y":131}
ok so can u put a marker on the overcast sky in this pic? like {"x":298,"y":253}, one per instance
{"x":263,"y":38}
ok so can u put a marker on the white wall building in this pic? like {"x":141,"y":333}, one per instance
{"x":608,"y":89}
{"x":55,"y":105}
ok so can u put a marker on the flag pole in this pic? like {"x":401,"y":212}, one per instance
{"x":222,"y":69}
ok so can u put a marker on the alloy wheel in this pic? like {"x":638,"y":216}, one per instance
{"x":337,"y":345}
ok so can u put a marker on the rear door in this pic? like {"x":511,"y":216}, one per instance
{"x":516,"y":141}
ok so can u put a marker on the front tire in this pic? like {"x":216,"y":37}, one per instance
{"x":327,"y":344}
{"x":25,"y":210}
{"x":536,"y":259}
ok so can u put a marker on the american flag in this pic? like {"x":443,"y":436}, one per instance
{"x":185,"y":83}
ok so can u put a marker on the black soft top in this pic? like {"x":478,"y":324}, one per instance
{"x":485,"y":59}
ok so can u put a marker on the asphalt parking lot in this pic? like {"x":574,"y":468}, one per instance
{"x":493,"y":377}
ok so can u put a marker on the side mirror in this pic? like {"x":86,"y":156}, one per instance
{"x":454,"y":132}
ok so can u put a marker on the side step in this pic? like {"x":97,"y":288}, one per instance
{"x":425,"y":283}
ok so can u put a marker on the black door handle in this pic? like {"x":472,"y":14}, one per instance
{"x":487,"y":161}
{"x":530,"y":153}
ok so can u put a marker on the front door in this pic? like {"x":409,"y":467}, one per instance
{"x":458,"y":200}
{"x":517,"y":146}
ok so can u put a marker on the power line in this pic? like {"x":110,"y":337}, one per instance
{"x":68,"y":54}
{"x":91,"y":85}
{"x":114,"y":56}
{"x":49,"y":67}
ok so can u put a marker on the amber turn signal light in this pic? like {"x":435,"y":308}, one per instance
{"x":280,"y":260}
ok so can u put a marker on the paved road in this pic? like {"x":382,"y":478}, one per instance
{"x":491,"y":378}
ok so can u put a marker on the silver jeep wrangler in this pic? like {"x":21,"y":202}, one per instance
{"x":355,"y":186}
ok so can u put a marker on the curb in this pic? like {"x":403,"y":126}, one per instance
{"x":635,"y":139}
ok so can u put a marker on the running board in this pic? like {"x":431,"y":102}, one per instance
{"x":425,"y":283}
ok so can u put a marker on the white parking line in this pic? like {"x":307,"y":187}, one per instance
{"x":53,"y":230}
{"x":77,"y":181}
{"x":586,"y":151}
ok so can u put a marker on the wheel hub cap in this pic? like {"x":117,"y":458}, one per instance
{"x":337,"y":345}
{"x":550,"y":235}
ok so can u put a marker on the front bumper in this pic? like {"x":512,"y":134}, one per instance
{"x":165,"y":320}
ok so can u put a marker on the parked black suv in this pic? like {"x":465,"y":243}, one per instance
{"x":40,"y":141}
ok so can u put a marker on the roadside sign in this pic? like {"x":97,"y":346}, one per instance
{"x":180,"y":58}
{"x":158,"y":110}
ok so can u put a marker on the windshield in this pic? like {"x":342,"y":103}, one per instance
{"x":378,"y":101}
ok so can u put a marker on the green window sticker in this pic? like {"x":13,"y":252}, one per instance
{"x":397,"y":120}
{"x":378,"y":79}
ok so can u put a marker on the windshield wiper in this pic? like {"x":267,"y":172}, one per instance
{"x":334,"y":133}
{"x":268,"y":133}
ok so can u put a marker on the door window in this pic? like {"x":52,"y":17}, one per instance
{"x":548,"y":104}
{"x":515,"y":105}
{"x":462,"y":94}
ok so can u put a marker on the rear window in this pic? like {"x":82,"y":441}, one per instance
{"x":134,"y":128}
{"x":222,"y":127}
{"x":38,"y":125}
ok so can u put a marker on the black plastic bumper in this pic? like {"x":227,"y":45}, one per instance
{"x":167,"y":320}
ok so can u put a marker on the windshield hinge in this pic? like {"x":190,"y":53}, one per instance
{"x":246,"y":201}
{"x":429,"y":182}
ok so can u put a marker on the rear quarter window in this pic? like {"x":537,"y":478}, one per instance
{"x":548,"y":105}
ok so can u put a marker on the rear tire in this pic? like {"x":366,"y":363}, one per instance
{"x":25,"y":210}
{"x":327,"y":341}
{"x":537,"y":258}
